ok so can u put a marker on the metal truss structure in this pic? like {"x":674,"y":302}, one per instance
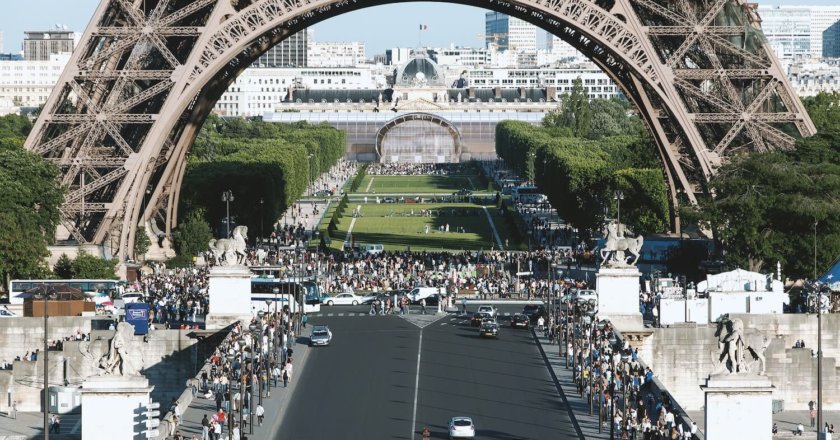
{"x":127,"y":108}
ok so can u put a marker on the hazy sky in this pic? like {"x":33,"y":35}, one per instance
{"x":378,"y":27}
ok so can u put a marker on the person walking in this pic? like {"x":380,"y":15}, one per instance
{"x":205,"y":428}
{"x":260,"y":412}
{"x":423,"y":305}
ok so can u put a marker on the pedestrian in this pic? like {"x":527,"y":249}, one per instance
{"x":57,"y":425}
{"x":464,"y":304}
{"x":218,"y":401}
{"x":260,"y":412}
{"x":14,"y":409}
{"x":303,"y":320}
{"x":287,"y":374}
{"x":205,"y":428}
{"x":423,"y":305}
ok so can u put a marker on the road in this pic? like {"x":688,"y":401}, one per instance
{"x":365,"y":385}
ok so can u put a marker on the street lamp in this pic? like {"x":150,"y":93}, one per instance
{"x":311,"y":170}
{"x":227,"y":197}
{"x":261,"y":218}
{"x":619,"y":196}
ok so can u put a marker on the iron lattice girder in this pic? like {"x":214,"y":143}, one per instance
{"x":225,"y":36}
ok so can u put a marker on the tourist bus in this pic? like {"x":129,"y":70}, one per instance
{"x":91,"y":288}
{"x":528,"y":194}
{"x":289,"y":292}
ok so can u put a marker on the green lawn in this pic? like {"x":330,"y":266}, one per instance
{"x":394,"y":226}
{"x":419,"y":184}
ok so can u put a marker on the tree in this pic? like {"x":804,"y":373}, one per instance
{"x":574,"y":113}
{"x":63,"y":268}
{"x":29,"y":203}
{"x":141,"y":241}
{"x":193,"y":235}
{"x":88,"y":266}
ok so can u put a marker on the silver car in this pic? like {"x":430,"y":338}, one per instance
{"x":321,"y":335}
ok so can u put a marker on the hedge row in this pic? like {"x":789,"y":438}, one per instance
{"x":360,"y":176}
{"x":337,"y":214}
{"x":268,"y":167}
{"x":579,"y":175}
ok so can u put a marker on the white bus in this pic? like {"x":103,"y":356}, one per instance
{"x":289,"y":292}
{"x":90,"y":288}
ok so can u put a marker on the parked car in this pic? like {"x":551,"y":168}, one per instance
{"x":323,"y":193}
{"x":321,"y":335}
{"x":489,"y":309}
{"x":345,"y":299}
{"x":418,"y":293}
{"x":6,"y":313}
{"x":389,"y":200}
{"x":520,"y":321}
{"x":462,"y":192}
{"x":431,"y":300}
{"x":488,"y":329}
{"x":461,"y":427}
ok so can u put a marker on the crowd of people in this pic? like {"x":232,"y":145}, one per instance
{"x":415,"y":169}
{"x":176,"y":297}
{"x":608,"y":373}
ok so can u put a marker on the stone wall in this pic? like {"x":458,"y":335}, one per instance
{"x":19,"y":335}
{"x":681,"y":358}
{"x":169,"y":358}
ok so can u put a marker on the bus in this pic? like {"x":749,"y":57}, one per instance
{"x":91,"y":288}
{"x":290,"y":292}
{"x":528,"y":194}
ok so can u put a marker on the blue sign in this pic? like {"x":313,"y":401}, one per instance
{"x":137,"y":314}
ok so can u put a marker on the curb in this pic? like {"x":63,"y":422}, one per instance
{"x":572,"y":415}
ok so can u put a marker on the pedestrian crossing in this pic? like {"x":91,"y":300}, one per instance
{"x":360,"y":314}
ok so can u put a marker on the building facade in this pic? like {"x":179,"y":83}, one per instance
{"x":509,"y":33}
{"x":27,"y":83}
{"x":41,"y":45}
{"x":291,"y":52}
{"x":797,"y":32}
{"x":349,"y":54}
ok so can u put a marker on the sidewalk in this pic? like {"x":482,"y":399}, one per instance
{"x":29,"y":425}
{"x":274,"y":405}
{"x":564,"y":379}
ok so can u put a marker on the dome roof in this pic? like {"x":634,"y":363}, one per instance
{"x":421,"y":71}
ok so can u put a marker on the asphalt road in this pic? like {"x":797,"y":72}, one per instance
{"x":363,"y":385}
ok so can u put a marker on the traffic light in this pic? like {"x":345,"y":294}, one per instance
{"x":147,"y":420}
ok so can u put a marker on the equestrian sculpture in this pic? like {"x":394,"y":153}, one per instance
{"x":616,"y":244}
{"x":230,"y":251}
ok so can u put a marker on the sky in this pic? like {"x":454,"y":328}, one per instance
{"x":379,"y":27}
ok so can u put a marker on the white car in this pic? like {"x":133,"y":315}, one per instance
{"x":461,"y":427}
{"x":132,"y":297}
{"x":6,"y":313}
{"x":490,"y":310}
{"x":344,"y":299}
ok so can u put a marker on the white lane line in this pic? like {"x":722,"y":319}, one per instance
{"x":492,"y":226}
{"x":367,"y":189}
{"x":442,"y":323}
{"x":417,"y":384}
{"x":341,"y":314}
{"x":353,"y":223}
{"x":329,"y":314}
{"x":507,"y":314}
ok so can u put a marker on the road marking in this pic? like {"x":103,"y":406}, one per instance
{"x":416,"y":384}
{"x":453,"y":319}
{"x":507,"y":314}
{"x":75,"y":429}
{"x":492,"y":226}
{"x":329,"y":314}
{"x":369,"y":184}
{"x":341,"y":314}
{"x":442,"y":323}
{"x":353,"y":223}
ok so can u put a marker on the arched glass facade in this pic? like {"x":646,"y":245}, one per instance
{"x":418,"y":138}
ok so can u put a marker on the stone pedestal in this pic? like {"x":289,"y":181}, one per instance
{"x":112,"y":405}
{"x":739,"y":406}
{"x":618,"y":295}
{"x":230,"y":296}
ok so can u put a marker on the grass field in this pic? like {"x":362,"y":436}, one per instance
{"x":394,"y":226}
{"x":419,"y":184}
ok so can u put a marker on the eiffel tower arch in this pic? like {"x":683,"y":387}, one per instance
{"x":147,"y":73}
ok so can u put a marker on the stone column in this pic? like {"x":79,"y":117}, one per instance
{"x":112,"y":406}
{"x":618,"y":296}
{"x":738,"y":406}
{"x":230,"y":296}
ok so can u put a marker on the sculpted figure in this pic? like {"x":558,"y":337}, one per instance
{"x":738,"y":350}
{"x":616,"y":247}
{"x":230,"y":251}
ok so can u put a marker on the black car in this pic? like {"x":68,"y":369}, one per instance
{"x":534,"y":311}
{"x":462,"y":192}
{"x":478,"y":317}
{"x":488,"y":329}
{"x":520,"y":321}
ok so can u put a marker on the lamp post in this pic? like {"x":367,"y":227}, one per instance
{"x":262,"y":235}
{"x":227,"y":197}
{"x":619,"y":196}
{"x":311,"y":170}
{"x":47,"y":291}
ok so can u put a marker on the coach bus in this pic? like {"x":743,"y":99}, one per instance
{"x":91,"y":288}
{"x":289,"y":292}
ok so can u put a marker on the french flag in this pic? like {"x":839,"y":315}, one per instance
{"x":424,"y":27}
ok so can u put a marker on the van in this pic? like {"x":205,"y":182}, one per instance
{"x":418,"y":293}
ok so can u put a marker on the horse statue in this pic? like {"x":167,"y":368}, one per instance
{"x":230,"y":251}
{"x":616,"y":243}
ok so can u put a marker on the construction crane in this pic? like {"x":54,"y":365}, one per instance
{"x":495,"y":39}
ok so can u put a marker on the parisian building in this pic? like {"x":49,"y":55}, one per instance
{"x":41,"y":45}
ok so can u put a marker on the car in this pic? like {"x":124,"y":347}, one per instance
{"x":321,"y":335}
{"x":389,"y":200}
{"x":478,"y":318}
{"x":6,"y":313}
{"x":520,"y":321}
{"x":490,"y":310}
{"x":323,"y":193}
{"x":345,"y":299}
{"x":488,"y":329}
{"x":132,"y":297}
{"x":534,"y":311}
{"x":419,"y":293}
{"x":462,"y":192}
{"x":461,"y":427}
{"x":431,"y":300}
